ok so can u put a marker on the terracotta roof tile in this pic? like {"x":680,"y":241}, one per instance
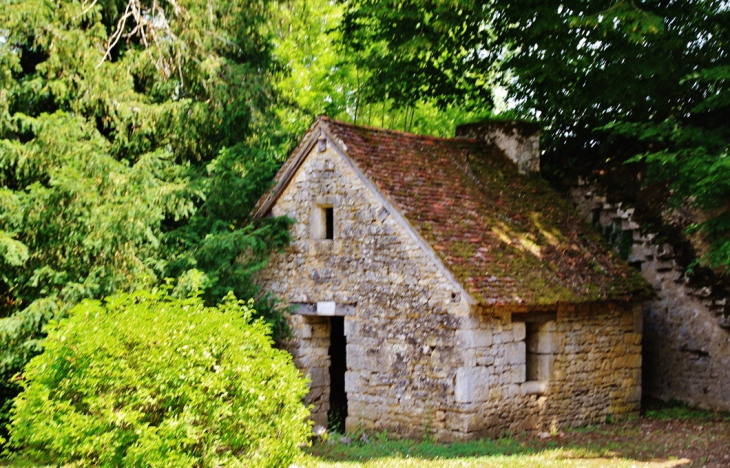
{"x":509,"y":238}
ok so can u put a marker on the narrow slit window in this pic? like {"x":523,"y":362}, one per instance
{"x":329,"y":221}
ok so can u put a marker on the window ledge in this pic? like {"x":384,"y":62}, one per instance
{"x":535,"y":387}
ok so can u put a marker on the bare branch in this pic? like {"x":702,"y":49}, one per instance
{"x":85,"y":10}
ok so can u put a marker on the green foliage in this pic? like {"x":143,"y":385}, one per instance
{"x":148,"y":380}
{"x":422,"y":50}
{"x":691,"y":154}
{"x":675,"y":409}
{"x":135,"y":138}
{"x":315,"y":77}
{"x":319,"y":76}
{"x":609,"y":80}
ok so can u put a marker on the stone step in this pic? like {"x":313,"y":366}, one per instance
{"x":628,"y":225}
{"x":625,"y":214}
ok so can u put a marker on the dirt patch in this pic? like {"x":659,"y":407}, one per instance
{"x":702,"y":440}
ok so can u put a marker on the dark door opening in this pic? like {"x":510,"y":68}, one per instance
{"x":338,"y":367}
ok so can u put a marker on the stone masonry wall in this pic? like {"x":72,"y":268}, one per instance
{"x":310,"y":350}
{"x":419,"y":358}
{"x":595,"y":371}
{"x":686,"y":330}
{"x":400,"y":353}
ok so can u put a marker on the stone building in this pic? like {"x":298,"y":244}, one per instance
{"x":439,"y":286}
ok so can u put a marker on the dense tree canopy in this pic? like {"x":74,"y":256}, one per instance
{"x":609,"y":80}
{"x":135,"y":138}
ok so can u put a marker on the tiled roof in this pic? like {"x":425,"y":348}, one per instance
{"x":508,"y":238}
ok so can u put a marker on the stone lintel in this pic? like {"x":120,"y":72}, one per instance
{"x":534,"y":317}
{"x":324,"y":309}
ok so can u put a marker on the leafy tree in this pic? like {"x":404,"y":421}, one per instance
{"x":149,"y":380}
{"x":319,"y":76}
{"x":135,"y":138}
{"x":315,"y":77}
{"x":609,"y":80}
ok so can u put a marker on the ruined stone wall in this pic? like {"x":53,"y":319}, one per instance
{"x":400,"y":353}
{"x":686,"y":330}
{"x":520,"y":140}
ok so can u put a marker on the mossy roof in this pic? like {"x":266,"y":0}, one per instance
{"x":508,"y":238}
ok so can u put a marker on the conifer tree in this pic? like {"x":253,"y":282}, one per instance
{"x":135,"y":136}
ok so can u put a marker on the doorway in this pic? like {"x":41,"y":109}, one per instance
{"x":338,"y":367}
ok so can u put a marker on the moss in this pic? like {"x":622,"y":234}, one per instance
{"x":464,"y":250}
{"x":484,"y":220}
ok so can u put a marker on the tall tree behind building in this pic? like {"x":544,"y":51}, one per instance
{"x":135,"y":137}
{"x":609,"y":80}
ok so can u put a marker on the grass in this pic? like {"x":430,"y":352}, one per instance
{"x":667,"y":436}
{"x":507,"y":452}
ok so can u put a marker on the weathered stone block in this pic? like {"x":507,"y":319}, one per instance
{"x":515,"y":353}
{"x":633,"y":361}
{"x":519,"y":330}
{"x":309,"y":361}
{"x":319,"y":377}
{"x":468,"y":358}
{"x":472,"y":384}
{"x":473,"y":338}
{"x":352,"y":382}
{"x":459,"y":422}
{"x":519,"y":373}
{"x":535,"y":387}
{"x":351,"y":324}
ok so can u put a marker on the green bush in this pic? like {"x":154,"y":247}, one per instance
{"x":149,"y":380}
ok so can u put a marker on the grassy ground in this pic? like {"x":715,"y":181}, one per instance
{"x":670,"y":437}
{"x":664,"y":437}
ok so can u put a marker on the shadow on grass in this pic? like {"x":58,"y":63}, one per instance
{"x":505,"y":451}
{"x":669,"y":435}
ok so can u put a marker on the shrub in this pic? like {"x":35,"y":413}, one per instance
{"x":148,"y":380}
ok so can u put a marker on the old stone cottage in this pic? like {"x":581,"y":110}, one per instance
{"x":441,"y":287}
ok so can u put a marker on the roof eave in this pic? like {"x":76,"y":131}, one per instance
{"x":299,"y":154}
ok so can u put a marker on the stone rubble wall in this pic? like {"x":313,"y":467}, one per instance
{"x":397,"y":362}
{"x":310,"y":351}
{"x":420,"y":359}
{"x":686,"y":330}
{"x":520,"y":141}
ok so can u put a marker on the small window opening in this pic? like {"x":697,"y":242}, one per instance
{"x":322,"y":222}
{"x":532,"y":358}
{"x":329,"y":220}
{"x":538,"y":356}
